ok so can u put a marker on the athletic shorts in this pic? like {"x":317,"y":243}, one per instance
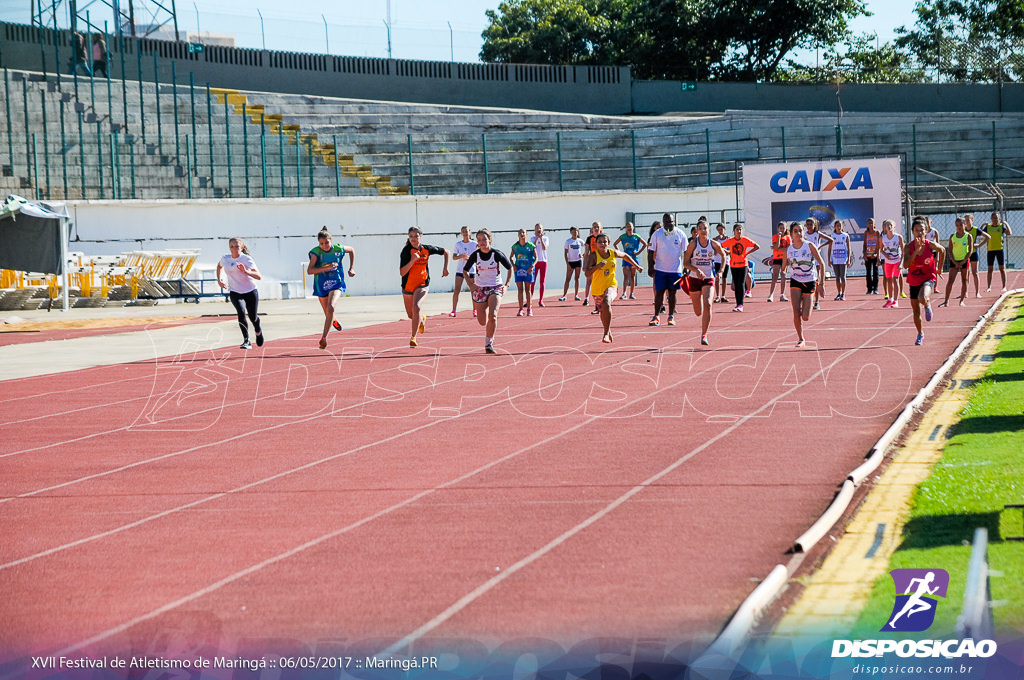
{"x":575,"y":265}
{"x":482,"y":293}
{"x":465,"y":275}
{"x":666,"y":281}
{"x":954,"y":265}
{"x":610,"y":293}
{"x":627,"y":265}
{"x":777,"y":263}
{"x":425,"y":289}
{"x":805,"y":287}
{"x":716,"y":267}
{"x":915,"y":291}
{"x":892,"y":270}
{"x":995,"y":256}
{"x":524,"y":276}
{"x":697,"y":285}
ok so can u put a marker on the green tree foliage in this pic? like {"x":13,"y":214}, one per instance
{"x":864,"y":61}
{"x":666,"y":39}
{"x":968,"y":40}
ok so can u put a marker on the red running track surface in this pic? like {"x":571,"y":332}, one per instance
{"x":563,"y":489}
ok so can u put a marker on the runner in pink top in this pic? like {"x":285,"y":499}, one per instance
{"x":923,"y":260}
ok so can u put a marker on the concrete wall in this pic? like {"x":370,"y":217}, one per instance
{"x":280,"y":232}
{"x":662,"y":96}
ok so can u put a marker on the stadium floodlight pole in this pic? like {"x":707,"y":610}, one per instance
{"x":451,"y":40}
{"x":327,"y":37}
{"x":199,"y":31}
{"x":388,"y":26}
{"x":262,"y":33}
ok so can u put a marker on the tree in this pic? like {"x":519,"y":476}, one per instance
{"x":666,"y":39}
{"x":967,"y":40}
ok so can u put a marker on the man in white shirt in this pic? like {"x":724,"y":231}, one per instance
{"x":668,"y":245}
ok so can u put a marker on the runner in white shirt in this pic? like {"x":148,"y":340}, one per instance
{"x":699,"y":261}
{"x":813,"y":235}
{"x":892,"y":263}
{"x":540,"y":268}
{"x":573,"y":253}
{"x":240,"y":271}
{"x":840,"y":256}
{"x":460,"y":253}
{"x":806,"y":268}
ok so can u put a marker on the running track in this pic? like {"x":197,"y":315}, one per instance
{"x":563,"y":489}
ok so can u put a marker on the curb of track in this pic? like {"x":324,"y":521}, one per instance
{"x":738,"y":629}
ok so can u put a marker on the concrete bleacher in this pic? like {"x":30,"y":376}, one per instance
{"x":322,"y":146}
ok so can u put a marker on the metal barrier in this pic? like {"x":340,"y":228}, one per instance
{"x":975,"y":621}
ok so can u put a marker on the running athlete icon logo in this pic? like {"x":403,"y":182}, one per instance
{"x":916,"y":593}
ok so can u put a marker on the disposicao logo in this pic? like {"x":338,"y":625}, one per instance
{"x":916,"y":593}
{"x":834,"y":180}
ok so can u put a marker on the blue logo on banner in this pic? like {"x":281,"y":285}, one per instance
{"x":917,"y":591}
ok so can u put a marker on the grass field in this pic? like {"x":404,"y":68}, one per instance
{"x":982,"y":469}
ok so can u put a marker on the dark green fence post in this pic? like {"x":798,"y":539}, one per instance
{"x":993,"y":152}
{"x":280,"y":154}
{"x":245,"y":144}
{"x":227,"y":141}
{"x":783,"y":142}
{"x":63,"y":151}
{"x":99,"y":156}
{"x":195,"y":138}
{"x":487,"y":179}
{"x":28,"y":128}
{"x":337,"y":172}
{"x":632,"y":139}
{"x":10,"y":126}
{"x":839,"y":140}
{"x":115,"y":165}
{"x":188,"y":161}
{"x":263,"y":152}
{"x":558,"y":145}
{"x":35,"y":167}
{"x":298,"y":166}
{"x":124,"y":83}
{"x":131,"y":161}
{"x":707,"y":151}
{"x":46,"y":146}
{"x":174,"y":94}
{"x":412,"y":181}
{"x":81,"y":153}
{"x":913,"y":130}
{"x":141,"y":97}
{"x":309,"y":159}
{"x":156,"y":95}
{"x":209,"y":132}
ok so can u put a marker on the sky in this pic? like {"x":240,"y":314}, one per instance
{"x":439,"y":30}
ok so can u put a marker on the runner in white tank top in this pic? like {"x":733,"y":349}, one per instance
{"x":699,"y":261}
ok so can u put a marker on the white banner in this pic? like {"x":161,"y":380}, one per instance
{"x":847,"y":192}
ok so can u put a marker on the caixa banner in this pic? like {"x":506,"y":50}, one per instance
{"x":841,"y":195}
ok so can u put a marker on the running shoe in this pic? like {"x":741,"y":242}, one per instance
{"x":259,"y":339}
{"x":704,"y":340}
{"x":817,"y":305}
{"x":452,"y":313}
{"x":738,"y":308}
{"x":323,"y":343}
{"x":894,"y":304}
{"x":529,"y":311}
{"x":521,"y":312}
{"x":412,"y":342}
{"x":928,"y":313}
{"x":800,"y":342}
{"x":903,"y":295}
{"x":541,"y":303}
{"x":771,"y":299}
{"x":245,"y":345}
{"x":597,"y":310}
{"x":838,"y":298}
{"x":888,"y":303}
{"x":671,"y":320}
{"x":783,"y":298}
{"x":662,"y":310}
{"x":423,"y":325}
{"x":920,"y":339}
{"x":585,"y":302}
{"x":655,"y":321}
{"x":748,"y":294}
{"x":337,"y":326}
{"x":489,"y":349}
{"x":561,"y":299}
{"x":632,"y":297}
{"x":576,"y":298}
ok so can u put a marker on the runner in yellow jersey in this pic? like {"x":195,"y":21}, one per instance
{"x":995,"y":230}
{"x":604,"y":285}
{"x":961,"y":246}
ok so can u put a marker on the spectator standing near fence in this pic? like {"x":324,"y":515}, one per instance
{"x":79,"y":55}
{"x":540,"y":241}
{"x":99,"y":54}
{"x":573,"y":253}
{"x":840,"y":256}
{"x":959,"y":250}
{"x":996,"y":229}
{"x":780,"y":242}
{"x":241,"y":273}
{"x":524,"y":259}
{"x":464,"y":247}
{"x":980,"y":238}
{"x":632,"y":245}
{"x":869,"y":251}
